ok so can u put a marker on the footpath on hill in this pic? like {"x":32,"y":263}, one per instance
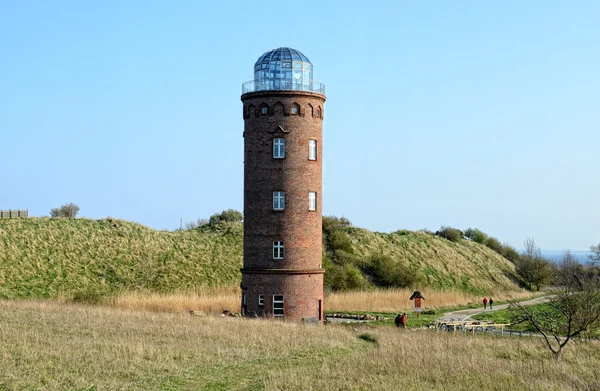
{"x":466,"y":314}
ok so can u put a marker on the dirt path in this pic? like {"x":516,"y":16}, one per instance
{"x":466,"y":314}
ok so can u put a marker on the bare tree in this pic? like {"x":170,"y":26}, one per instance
{"x":199,"y":222}
{"x":68,"y":211}
{"x":573,"y":309}
{"x":531,"y":249}
{"x":535,"y":270}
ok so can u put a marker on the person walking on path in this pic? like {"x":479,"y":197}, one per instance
{"x":491,"y":302}
{"x":485,"y":301}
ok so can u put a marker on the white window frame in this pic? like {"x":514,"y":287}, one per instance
{"x":278,"y":200}
{"x":295,"y":110}
{"x":261,"y":301}
{"x":278,"y":249}
{"x":312,"y":149}
{"x":312,"y":200}
{"x":278,"y":148}
{"x":278,"y":306}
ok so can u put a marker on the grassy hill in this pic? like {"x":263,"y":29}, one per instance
{"x":43,"y":257}
{"x":440,"y":263}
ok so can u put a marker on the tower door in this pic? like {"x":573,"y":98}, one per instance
{"x":320,"y":316}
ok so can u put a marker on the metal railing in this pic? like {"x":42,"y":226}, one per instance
{"x":283,"y":85}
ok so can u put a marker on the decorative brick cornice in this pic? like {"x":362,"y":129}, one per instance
{"x":285,"y":93}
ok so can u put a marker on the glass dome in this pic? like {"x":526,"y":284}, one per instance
{"x":283,"y":69}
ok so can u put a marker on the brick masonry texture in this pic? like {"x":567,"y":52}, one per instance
{"x":299,"y":276}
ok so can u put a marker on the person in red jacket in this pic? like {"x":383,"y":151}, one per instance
{"x":484,"y":303}
{"x":403,"y":320}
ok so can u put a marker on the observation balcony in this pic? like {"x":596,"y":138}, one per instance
{"x":283,"y":85}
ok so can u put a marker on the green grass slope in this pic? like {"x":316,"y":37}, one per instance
{"x":43,"y":257}
{"x":440,"y":263}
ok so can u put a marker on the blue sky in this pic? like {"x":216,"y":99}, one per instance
{"x":467,"y":114}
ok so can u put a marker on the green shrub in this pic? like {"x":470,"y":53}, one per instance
{"x":342,"y":257}
{"x":391,"y":273}
{"x":343,"y":277}
{"x":475,"y":235}
{"x":452,"y":234}
{"x":536,"y":272}
{"x":494,"y":244}
{"x":227,"y":216}
{"x":345,"y":222}
{"x":334,"y":235}
{"x":510,"y":253}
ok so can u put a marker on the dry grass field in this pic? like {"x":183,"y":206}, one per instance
{"x":57,"y":346}
{"x":215,"y":300}
{"x":397,"y":300}
{"x":208,"y":300}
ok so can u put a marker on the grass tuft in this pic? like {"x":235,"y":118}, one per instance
{"x":369,"y":337}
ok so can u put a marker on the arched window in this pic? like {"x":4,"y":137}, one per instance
{"x":278,"y":108}
{"x":295,"y":110}
{"x":263,"y":109}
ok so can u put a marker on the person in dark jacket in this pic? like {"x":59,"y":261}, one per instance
{"x":491,"y":302}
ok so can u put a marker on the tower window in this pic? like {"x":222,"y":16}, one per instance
{"x":261,"y":300}
{"x":295,"y":110}
{"x":319,"y":112}
{"x":264,"y":110}
{"x":312,"y":200}
{"x":278,"y":148}
{"x":278,"y":200}
{"x":278,"y":303}
{"x":312,"y":150}
{"x":278,"y":249}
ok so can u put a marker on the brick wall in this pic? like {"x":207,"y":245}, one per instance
{"x":296,"y":175}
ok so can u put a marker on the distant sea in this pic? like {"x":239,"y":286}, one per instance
{"x":557,"y":255}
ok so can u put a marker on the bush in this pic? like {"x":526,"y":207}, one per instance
{"x":452,"y":234}
{"x":345,"y":222}
{"x":227,"y":216}
{"x":335,"y":237}
{"x":536,"y":272}
{"x":343,"y":277}
{"x":390,"y":273}
{"x":68,"y":211}
{"x":510,"y":253}
{"x":475,"y":235}
{"x":494,"y":244}
{"x":87,"y":297}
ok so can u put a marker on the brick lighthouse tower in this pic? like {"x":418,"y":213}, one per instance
{"x":282,"y":275}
